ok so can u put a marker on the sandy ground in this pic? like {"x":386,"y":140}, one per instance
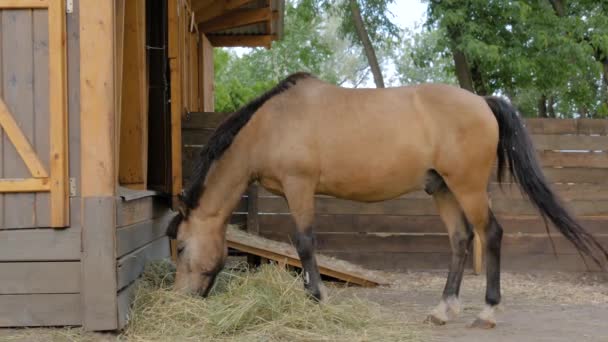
{"x":550,"y":307}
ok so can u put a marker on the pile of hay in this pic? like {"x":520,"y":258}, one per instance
{"x":267,"y":304}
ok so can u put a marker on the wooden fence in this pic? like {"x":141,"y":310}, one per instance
{"x":406,"y":233}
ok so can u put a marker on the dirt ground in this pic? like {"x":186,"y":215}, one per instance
{"x":547,"y":307}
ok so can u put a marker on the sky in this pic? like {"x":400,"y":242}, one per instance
{"x":406,"y":14}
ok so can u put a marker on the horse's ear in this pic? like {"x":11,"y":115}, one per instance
{"x":174,"y":225}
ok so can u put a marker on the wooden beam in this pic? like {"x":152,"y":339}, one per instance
{"x":24,"y":185}
{"x":206,"y":10}
{"x":133,"y":166}
{"x":236,"y":18}
{"x":207,"y":75}
{"x":241,"y":40}
{"x":284,"y":253}
{"x":58,"y":115}
{"x":23,"y":4}
{"x":98,"y":172}
{"x":175,"y":65}
{"x":22,"y":145}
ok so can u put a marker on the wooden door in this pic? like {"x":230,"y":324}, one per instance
{"x":33,"y":114}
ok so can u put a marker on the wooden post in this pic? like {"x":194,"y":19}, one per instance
{"x":175,"y":65}
{"x":98,"y":172}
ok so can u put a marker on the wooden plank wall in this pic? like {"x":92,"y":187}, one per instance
{"x":140,"y":238}
{"x":39,"y":267}
{"x":24,"y":87}
{"x":406,"y":233}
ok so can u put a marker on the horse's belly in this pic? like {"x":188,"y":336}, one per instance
{"x":372,"y":181}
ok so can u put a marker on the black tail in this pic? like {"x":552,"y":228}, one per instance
{"x":515,"y":150}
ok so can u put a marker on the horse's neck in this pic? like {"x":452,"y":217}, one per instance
{"x":226,"y":182}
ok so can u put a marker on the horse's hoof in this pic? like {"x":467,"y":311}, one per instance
{"x":431,"y":319}
{"x":482,"y":324}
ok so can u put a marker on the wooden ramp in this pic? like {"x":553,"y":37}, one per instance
{"x":285,"y":253}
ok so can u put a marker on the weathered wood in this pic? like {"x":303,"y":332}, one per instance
{"x":18,"y":118}
{"x":241,"y":40}
{"x":253,"y":224}
{"x":125,"y":298}
{"x":567,"y":126}
{"x":132,"y":265}
{"x":137,"y":235}
{"x":431,"y":243}
{"x":133,"y":164}
{"x":98,"y":171}
{"x":39,"y":244}
{"x":284,"y":224}
{"x":203,"y":120}
{"x":419,"y":206}
{"x":39,"y":277}
{"x":175,"y":65}
{"x":286,"y":254}
{"x":58,"y":115}
{"x":41,"y":109}
{"x":21,"y":143}
{"x":564,"y":159}
{"x":197,"y":138}
{"x":576,"y":175}
{"x":570,"y":142}
{"x":73,"y":51}
{"x":139,"y":210}
{"x":98,"y":264}
{"x":40,"y":310}
{"x":439,"y":261}
{"x":23,"y":4}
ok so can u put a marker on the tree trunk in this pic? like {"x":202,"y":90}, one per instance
{"x":478,"y":83}
{"x":463,"y":72}
{"x":370,"y":53}
{"x":542,"y":106}
{"x":551,"y":107}
{"x":559,"y":6}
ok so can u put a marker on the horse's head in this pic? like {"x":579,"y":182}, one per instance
{"x":201,"y":252}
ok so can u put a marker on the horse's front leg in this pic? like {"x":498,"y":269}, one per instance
{"x":300,"y":198}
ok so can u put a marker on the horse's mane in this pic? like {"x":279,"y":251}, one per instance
{"x":224,"y":135}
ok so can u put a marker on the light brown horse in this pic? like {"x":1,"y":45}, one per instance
{"x":307,"y":137}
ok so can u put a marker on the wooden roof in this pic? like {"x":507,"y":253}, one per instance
{"x":246,"y":23}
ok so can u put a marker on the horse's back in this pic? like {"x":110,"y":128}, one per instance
{"x":369,"y":144}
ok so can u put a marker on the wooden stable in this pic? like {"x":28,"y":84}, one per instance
{"x":407,"y":234}
{"x":92,"y":95}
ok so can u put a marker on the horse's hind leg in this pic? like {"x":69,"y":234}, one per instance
{"x":461,"y":235}
{"x":475,"y":206}
{"x":300,"y":198}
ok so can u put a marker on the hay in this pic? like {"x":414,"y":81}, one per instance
{"x":268,"y":304}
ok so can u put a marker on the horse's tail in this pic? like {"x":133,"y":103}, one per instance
{"x":516,"y":151}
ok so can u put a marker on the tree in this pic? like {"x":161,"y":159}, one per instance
{"x":366,"y":24}
{"x":542,"y":54}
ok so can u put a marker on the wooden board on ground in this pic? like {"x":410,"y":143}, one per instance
{"x":285,"y":253}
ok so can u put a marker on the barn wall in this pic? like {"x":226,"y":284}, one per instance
{"x":406,"y":233}
{"x":39,"y":266}
{"x":141,"y":221}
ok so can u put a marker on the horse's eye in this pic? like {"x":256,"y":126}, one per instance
{"x":180,"y":249}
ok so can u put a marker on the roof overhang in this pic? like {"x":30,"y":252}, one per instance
{"x":244,"y":23}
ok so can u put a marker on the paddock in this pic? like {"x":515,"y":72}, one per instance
{"x":105,"y":106}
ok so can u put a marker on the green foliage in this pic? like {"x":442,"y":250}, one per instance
{"x":525,"y":50}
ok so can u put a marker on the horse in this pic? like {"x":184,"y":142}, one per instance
{"x":306,"y":136}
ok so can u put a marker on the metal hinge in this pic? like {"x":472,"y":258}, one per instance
{"x":69,"y":6}
{"x":72,"y":187}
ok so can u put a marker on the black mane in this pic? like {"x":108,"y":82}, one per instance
{"x":224,"y":135}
